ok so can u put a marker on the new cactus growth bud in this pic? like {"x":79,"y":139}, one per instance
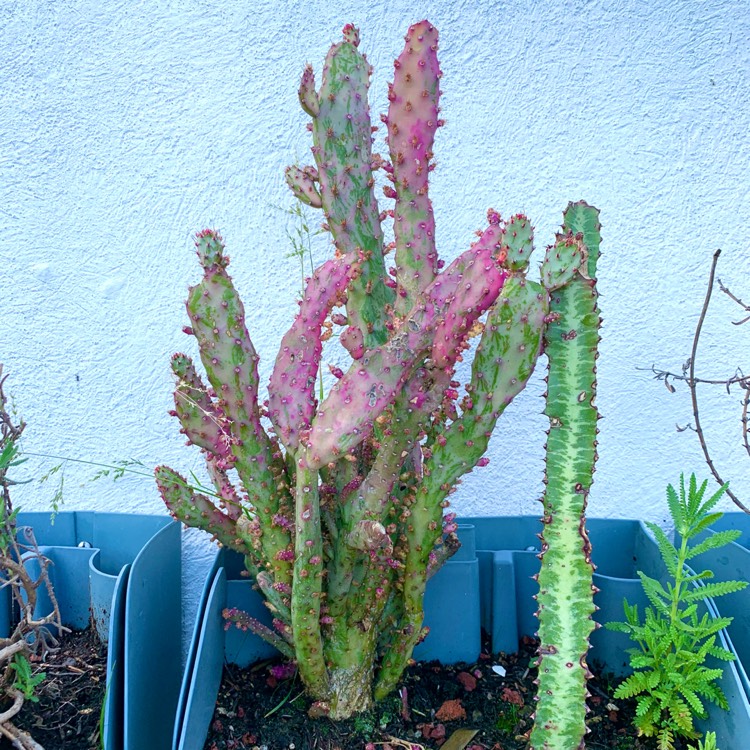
{"x":339,"y":506}
{"x":302,"y":184}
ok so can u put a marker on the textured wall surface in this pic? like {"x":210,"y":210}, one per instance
{"x":127,"y":126}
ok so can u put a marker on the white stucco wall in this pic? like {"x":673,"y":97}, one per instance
{"x":127,"y":126}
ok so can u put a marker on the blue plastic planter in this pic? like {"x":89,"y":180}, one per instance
{"x":486,"y":585}
{"x":122,"y":570}
{"x":452,"y":609}
{"x":452,"y":613}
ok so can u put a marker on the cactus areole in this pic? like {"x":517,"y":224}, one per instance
{"x":337,"y":505}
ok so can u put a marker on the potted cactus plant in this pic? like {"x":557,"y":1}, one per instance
{"x":339,"y":515}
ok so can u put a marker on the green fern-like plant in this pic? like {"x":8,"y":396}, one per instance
{"x":671,"y":682}
{"x":709,"y":742}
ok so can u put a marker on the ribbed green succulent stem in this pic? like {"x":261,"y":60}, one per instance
{"x":308,"y":586}
{"x":565,"y":581}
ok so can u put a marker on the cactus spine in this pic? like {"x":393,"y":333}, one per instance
{"x":339,"y":512}
{"x":565,"y":596}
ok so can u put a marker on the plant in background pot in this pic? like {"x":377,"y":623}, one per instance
{"x":339,"y":510}
{"x":32,"y":635}
{"x":116,"y":574}
{"x":671,"y":681}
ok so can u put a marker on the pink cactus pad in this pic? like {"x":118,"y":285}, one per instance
{"x":412,"y":122}
{"x":291,"y":403}
{"x":472,"y":283}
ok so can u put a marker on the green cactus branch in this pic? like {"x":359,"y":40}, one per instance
{"x":342,"y":149}
{"x":565,"y":596}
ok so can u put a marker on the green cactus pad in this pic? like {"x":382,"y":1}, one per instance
{"x":210,"y":248}
{"x":503,"y":363}
{"x":194,"y":509}
{"x":202,"y":421}
{"x":563,"y":261}
{"x":217,"y":317}
{"x":517,"y":242}
{"x":343,"y":153}
{"x":308,"y":585}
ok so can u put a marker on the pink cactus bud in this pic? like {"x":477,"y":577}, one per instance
{"x":351,"y":34}
{"x":282,"y":522}
{"x":339,"y":319}
{"x":353,"y":341}
{"x":283,"y":671}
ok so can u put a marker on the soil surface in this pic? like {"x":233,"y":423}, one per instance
{"x":259,"y":711}
{"x":66,"y":717}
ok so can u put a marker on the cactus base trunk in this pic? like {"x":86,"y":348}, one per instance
{"x":350,"y":658}
{"x":351,"y":691}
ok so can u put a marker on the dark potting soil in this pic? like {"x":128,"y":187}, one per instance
{"x":257,"y":711}
{"x":68,"y":712}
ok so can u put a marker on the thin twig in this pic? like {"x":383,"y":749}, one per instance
{"x":744,"y":420}
{"x":694,"y":390}
{"x":739,"y":378}
{"x":18,"y":738}
{"x":738,"y":301}
{"x":17,"y":696}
